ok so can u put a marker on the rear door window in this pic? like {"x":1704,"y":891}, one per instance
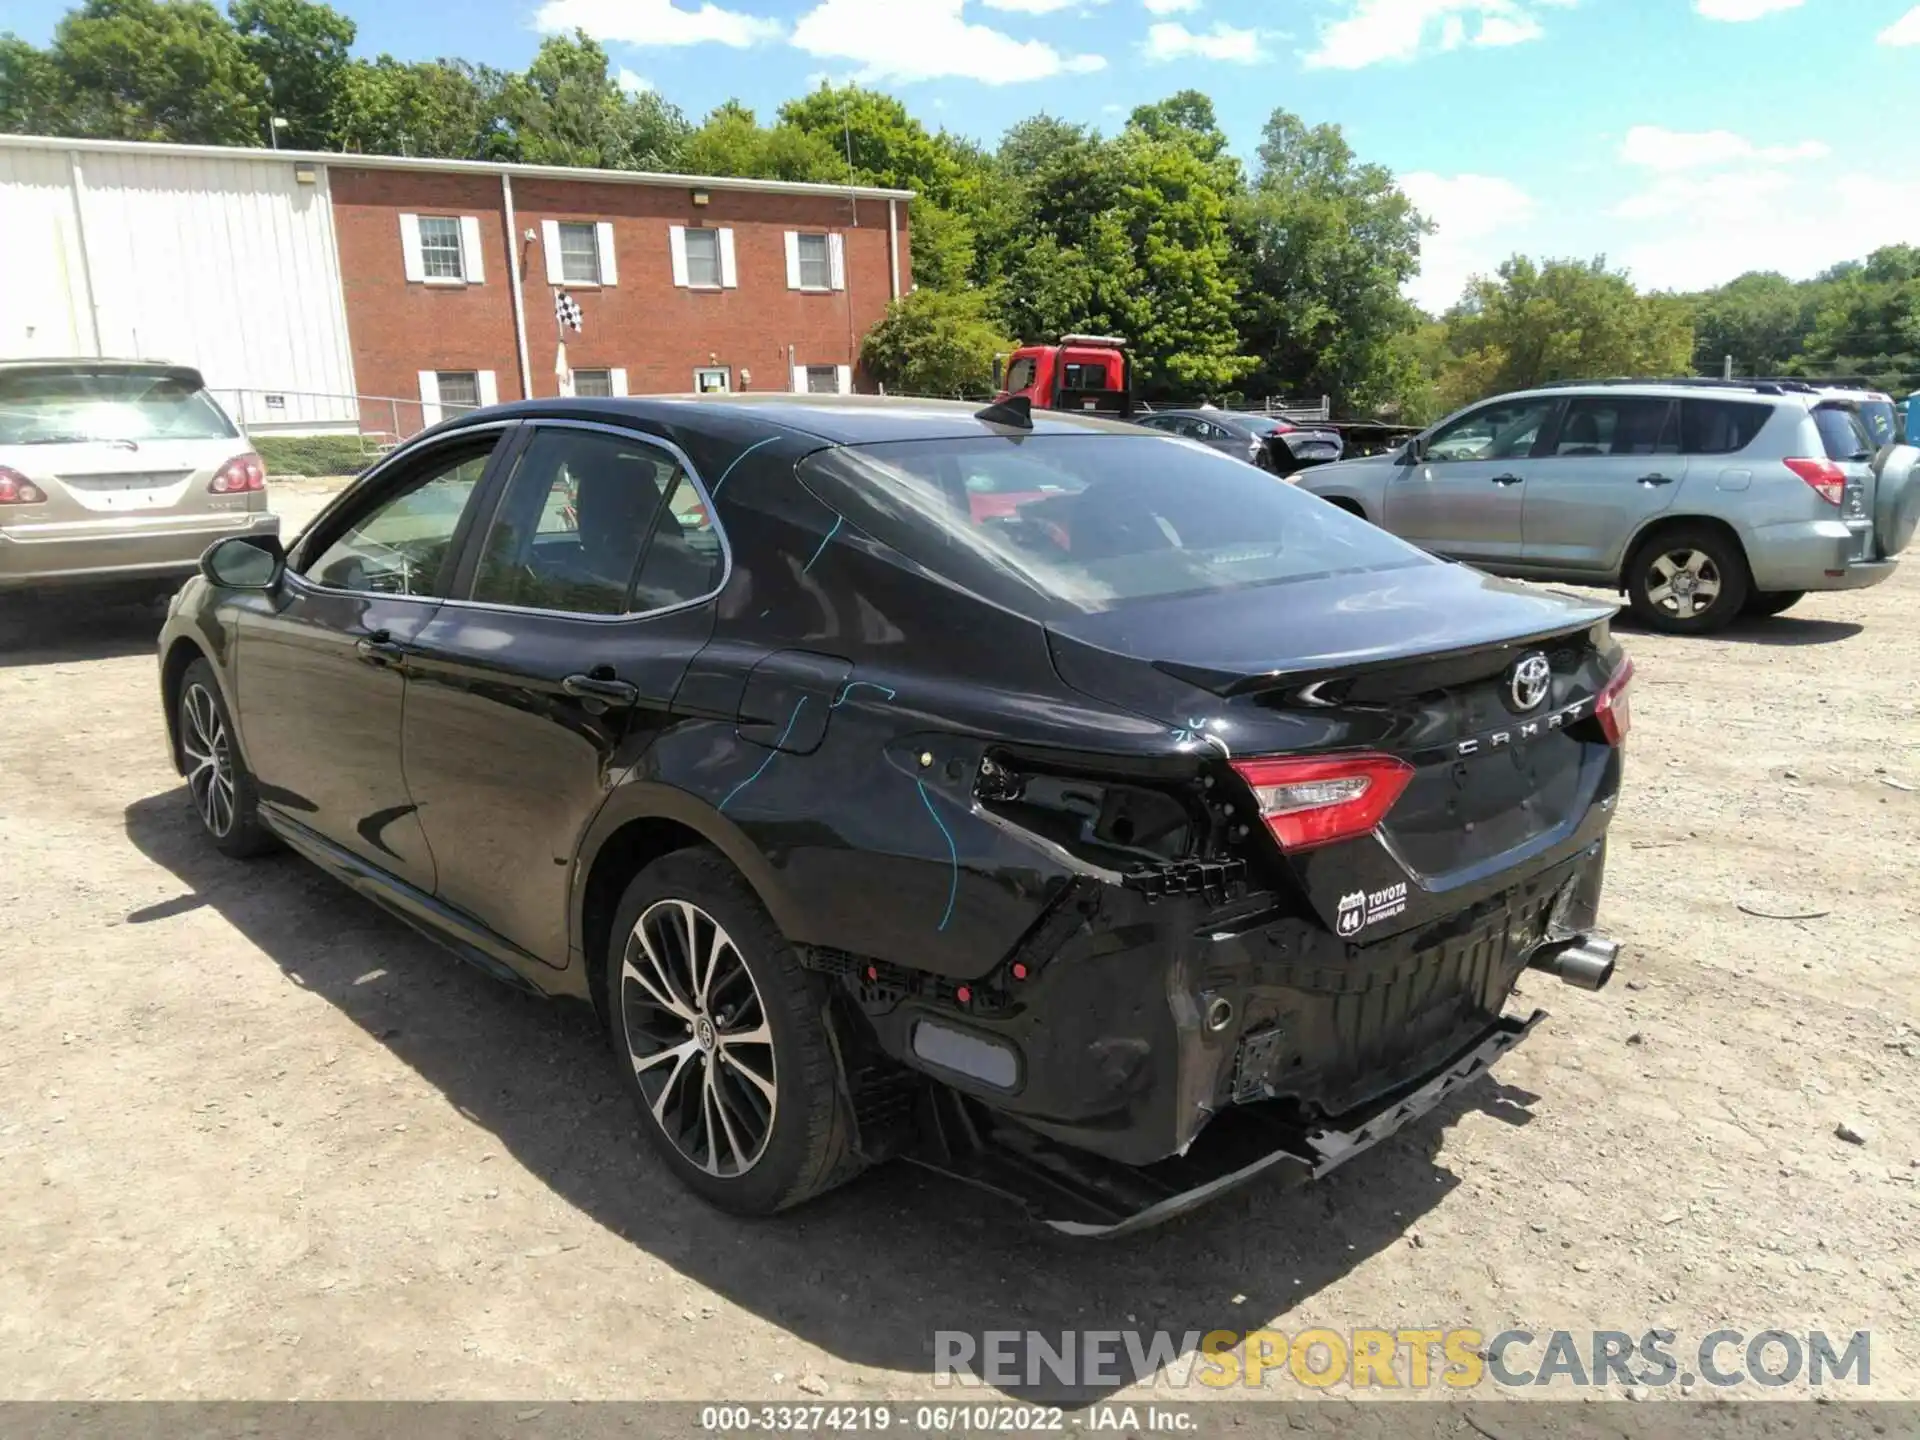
{"x":1720,"y":427}
{"x":1111,"y":519}
{"x":1619,"y":425}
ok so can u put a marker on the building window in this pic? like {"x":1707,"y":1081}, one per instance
{"x":703,"y":258}
{"x":460,"y":389}
{"x":593,"y":384}
{"x":713,"y":380}
{"x":579,"y":255}
{"x":816,"y":263}
{"x":823,"y":380}
{"x":440,"y":257}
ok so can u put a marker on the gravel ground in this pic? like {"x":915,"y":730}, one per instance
{"x":259,"y":1141}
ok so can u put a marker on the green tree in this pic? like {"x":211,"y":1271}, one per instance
{"x":1560,"y":320}
{"x":301,"y":47}
{"x":887,"y":146}
{"x":27,"y":88}
{"x":440,"y":109}
{"x":1762,"y":319}
{"x":156,"y":70}
{"x":1868,"y":321}
{"x":934,"y":343}
{"x":731,"y":141}
{"x":1327,"y":242}
{"x":568,"y":110}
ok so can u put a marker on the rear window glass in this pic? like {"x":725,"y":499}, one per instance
{"x":41,"y":407}
{"x":1720,"y":427}
{"x":1843,"y":433}
{"x":1091,"y":522}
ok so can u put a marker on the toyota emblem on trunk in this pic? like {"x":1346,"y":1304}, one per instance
{"x":1531,"y":676}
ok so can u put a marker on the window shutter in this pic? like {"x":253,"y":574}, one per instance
{"x":793,"y":259}
{"x":677,"y":243}
{"x":603,"y":242}
{"x":410,"y":247}
{"x":489,"y":388}
{"x":799,"y":379}
{"x":429,"y":399}
{"x":470,"y":261}
{"x":618,"y":380}
{"x":729,"y":272}
{"x":844,"y":379}
{"x":550,"y":243}
{"x":837,"y":258}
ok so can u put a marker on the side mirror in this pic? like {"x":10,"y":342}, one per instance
{"x":1413,"y":453}
{"x":245,"y":562}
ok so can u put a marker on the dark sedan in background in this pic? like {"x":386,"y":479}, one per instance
{"x":1264,"y":440}
{"x":1069,"y":809}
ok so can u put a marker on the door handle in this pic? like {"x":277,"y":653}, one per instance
{"x":379,"y":649}
{"x":1656,"y":479}
{"x":594,"y":687}
{"x":1509,"y":479}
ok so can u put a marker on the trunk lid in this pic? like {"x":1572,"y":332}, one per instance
{"x":1420,"y":662}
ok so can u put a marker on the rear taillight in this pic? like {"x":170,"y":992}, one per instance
{"x":240,"y":474}
{"x":1317,"y":801}
{"x":1828,"y":480}
{"x":17,"y":489}
{"x":1610,"y":706}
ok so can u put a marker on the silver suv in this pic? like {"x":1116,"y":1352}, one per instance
{"x":1700,"y":500}
{"x":118,"y":473}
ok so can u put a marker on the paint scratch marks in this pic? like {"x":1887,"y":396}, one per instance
{"x":736,"y":461}
{"x":853,"y":685}
{"x":771,"y":755}
{"x":953,"y":854}
{"x":828,"y":540}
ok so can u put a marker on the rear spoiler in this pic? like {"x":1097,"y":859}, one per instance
{"x":183,"y":375}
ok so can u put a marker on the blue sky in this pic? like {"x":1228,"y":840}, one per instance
{"x":1689,"y":140}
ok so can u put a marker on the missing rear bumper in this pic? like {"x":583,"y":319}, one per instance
{"x":1078,"y":1193}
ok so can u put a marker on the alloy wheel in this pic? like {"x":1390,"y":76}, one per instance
{"x":209,"y":759}
{"x":697,"y":1034}
{"x":1683,"y":583}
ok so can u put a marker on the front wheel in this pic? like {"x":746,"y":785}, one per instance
{"x":1763,"y":603}
{"x":218,"y":781}
{"x":1687,"y":581}
{"x":721,"y":1037}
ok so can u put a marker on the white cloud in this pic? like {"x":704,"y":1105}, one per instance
{"x":633,"y":84}
{"x":1904,"y":31}
{"x":1375,"y":30}
{"x":1171,"y":7}
{"x":655,"y":22}
{"x":1036,"y":7}
{"x":1474,"y":217}
{"x":1704,"y":232}
{"x":1743,"y":9}
{"x":1661,"y":149}
{"x":928,"y":40}
{"x":1171,"y":40}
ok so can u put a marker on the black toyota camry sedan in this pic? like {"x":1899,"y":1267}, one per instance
{"x":1056,"y":804}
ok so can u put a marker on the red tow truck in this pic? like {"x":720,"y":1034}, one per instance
{"x":1082,"y":372}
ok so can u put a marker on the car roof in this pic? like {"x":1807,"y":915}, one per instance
{"x":1760,"y":390}
{"x":836,"y":419}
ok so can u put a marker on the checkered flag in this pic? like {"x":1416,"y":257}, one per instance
{"x":566,"y":310}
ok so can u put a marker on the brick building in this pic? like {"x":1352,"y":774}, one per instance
{"x":325,"y":292}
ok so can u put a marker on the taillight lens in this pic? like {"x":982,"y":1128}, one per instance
{"x":1828,"y":480}
{"x":1317,"y":801}
{"x":1610,"y":706}
{"x":238,"y":475}
{"x":17,"y":489}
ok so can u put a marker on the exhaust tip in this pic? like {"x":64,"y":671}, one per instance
{"x":1585,"y":963}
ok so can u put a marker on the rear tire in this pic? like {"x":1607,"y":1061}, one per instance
{"x":1765,"y":603}
{"x":723,"y":1043}
{"x":1688,"y":580}
{"x":218,"y":781}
